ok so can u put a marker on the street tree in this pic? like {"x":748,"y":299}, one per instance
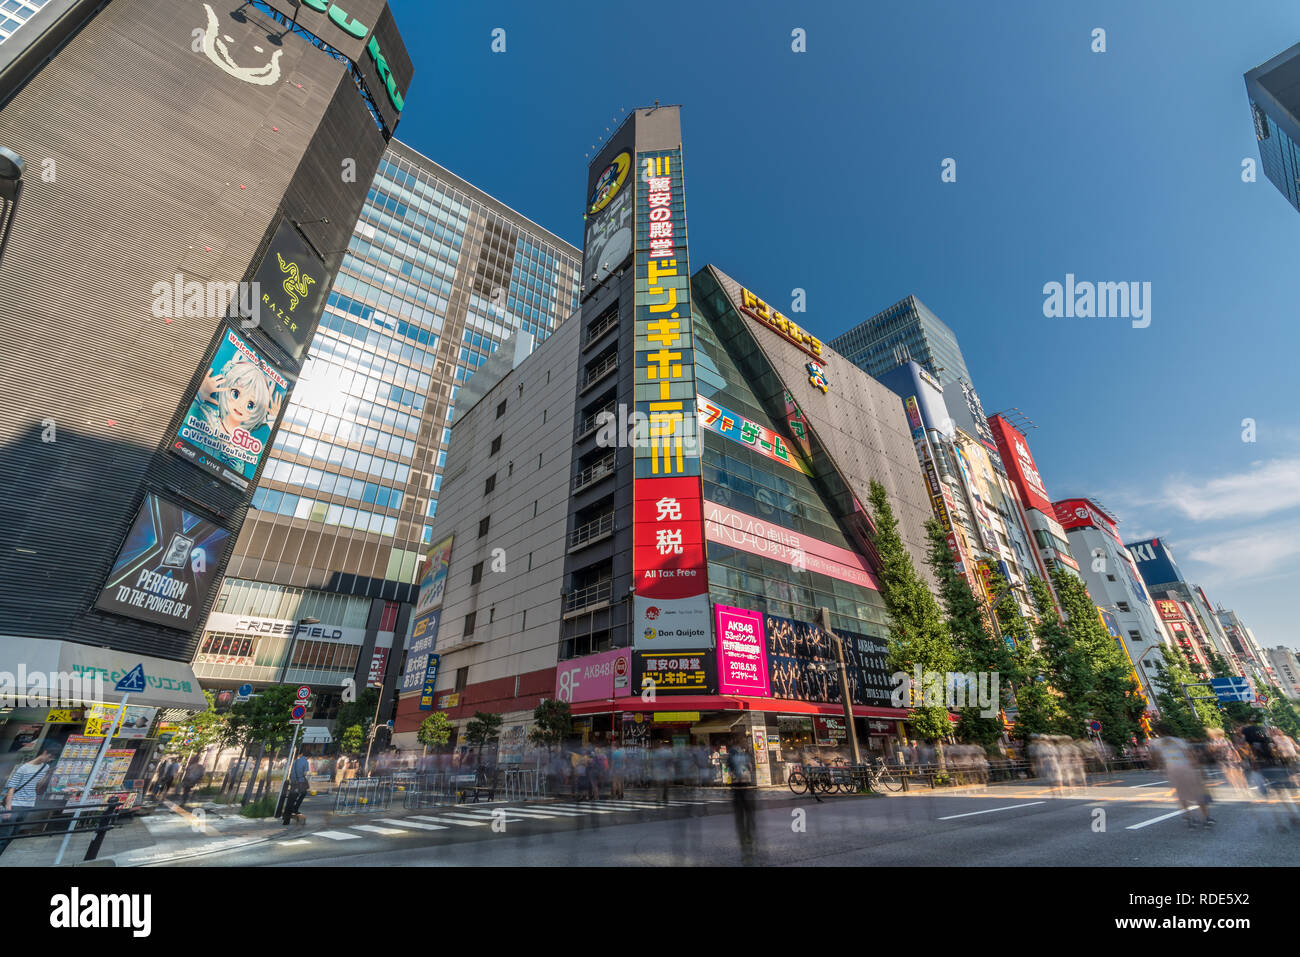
{"x":918,"y":634}
{"x":1178,"y":717}
{"x":434,"y":731}
{"x":482,"y":728}
{"x":552,"y":724}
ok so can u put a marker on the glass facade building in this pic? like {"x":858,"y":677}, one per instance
{"x":1274,"y":91}
{"x":907,"y":330}
{"x":437,"y":275}
{"x":14,"y":13}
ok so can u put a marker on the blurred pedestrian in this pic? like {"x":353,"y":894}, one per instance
{"x":1180,"y":765}
{"x":742,"y":795}
{"x":298,"y":785}
{"x":193,"y":776}
{"x":21,"y":793}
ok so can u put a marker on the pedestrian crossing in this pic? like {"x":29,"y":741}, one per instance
{"x":461,"y":816}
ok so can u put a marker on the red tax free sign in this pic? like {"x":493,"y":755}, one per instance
{"x":668,"y":549}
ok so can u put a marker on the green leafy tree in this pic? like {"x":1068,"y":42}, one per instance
{"x":1087,"y":667}
{"x":202,"y":729}
{"x":264,"y":721}
{"x":975,"y":649}
{"x":552,"y":724}
{"x":1177,"y":716}
{"x":352,"y":739}
{"x":482,"y":728}
{"x":1282,"y":712}
{"x":918,"y":634}
{"x":434,"y":731}
{"x":361,"y":711}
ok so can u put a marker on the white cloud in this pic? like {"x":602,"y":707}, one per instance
{"x":1266,"y":551}
{"x":1268,"y":487}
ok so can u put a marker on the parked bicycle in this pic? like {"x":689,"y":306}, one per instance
{"x":815,"y":779}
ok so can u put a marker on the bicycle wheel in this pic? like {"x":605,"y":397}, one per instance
{"x":847,"y":784}
{"x":798,"y":782}
{"x":890,"y":780}
{"x":824,"y":782}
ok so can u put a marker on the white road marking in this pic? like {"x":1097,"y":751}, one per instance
{"x":1009,"y":807}
{"x":449,"y":820}
{"x":294,"y":843}
{"x":407,"y":823}
{"x":538,"y":815}
{"x":586,"y":808}
{"x":338,"y":835}
{"x":1162,"y":817}
{"x":1148,"y":785}
{"x":375,"y":829}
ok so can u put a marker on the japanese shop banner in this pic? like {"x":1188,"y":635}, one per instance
{"x":675,"y":672}
{"x":424,"y":636}
{"x":434,"y":581}
{"x":764,"y":441}
{"x":726,"y":526}
{"x":742,"y":652}
{"x":594,"y":677}
{"x":676,"y":623}
{"x":668,"y":538}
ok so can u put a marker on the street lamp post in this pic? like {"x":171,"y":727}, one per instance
{"x":824,"y":622}
{"x":11,"y":190}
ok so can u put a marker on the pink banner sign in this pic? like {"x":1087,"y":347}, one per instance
{"x":604,"y":675}
{"x":726,"y":526}
{"x":742,"y":652}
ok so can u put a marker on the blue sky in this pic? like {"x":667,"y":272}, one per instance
{"x":821,"y":171}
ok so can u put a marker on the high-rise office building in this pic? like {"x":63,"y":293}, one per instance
{"x":905,"y":331}
{"x":15,"y":13}
{"x":1274,"y":92}
{"x":438,"y":274}
{"x":664,"y":495}
{"x":184,"y":215}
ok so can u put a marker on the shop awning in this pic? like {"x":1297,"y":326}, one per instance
{"x":168,"y":684}
{"x":717,"y":725}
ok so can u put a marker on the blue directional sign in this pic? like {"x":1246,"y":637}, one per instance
{"x":133,"y":682}
{"x":1232,"y":689}
{"x":430,"y":679}
{"x":245,"y":690}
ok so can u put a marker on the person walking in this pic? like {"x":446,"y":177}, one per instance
{"x":193,"y":775}
{"x":298,"y":783}
{"x":20,"y":793}
{"x":742,"y":796}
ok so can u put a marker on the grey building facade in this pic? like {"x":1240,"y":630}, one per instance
{"x":905,"y":331}
{"x":1273,"y":89}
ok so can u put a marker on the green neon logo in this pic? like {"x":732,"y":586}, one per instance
{"x":358,"y":29}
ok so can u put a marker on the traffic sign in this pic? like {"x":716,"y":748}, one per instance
{"x":245,"y":690}
{"x":1094,"y":726}
{"x":304,"y":693}
{"x":299,"y":712}
{"x":133,"y":682}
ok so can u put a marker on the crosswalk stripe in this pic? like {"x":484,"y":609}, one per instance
{"x":585,"y":808}
{"x":375,"y":829}
{"x":546,"y":809}
{"x":1162,"y":817}
{"x":408,"y":823}
{"x":338,"y":835}
{"x":481,"y":816}
{"x":292,"y":843}
{"x":449,"y":820}
{"x":538,"y":815}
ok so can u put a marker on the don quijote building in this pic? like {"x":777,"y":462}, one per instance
{"x":644,"y":516}
{"x":169,"y":144}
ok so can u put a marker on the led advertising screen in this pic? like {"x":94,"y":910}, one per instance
{"x":805,"y":667}
{"x":166,"y":567}
{"x":610,"y":186}
{"x":292,"y":287}
{"x":229,"y":422}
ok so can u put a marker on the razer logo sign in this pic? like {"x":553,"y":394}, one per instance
{"x":357,"y":29}
{"x":297,"y":283}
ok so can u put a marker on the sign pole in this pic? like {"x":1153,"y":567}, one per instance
{"x":288,"y":769}
{"x":113,"y":727}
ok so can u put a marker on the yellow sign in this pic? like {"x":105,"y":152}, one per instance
{"x":667,"y":717}
{"x":449,"y":700}
{"x":756,"y":308}
{"x":64,"y":716}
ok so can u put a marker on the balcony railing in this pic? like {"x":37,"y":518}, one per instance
{"x":592,"y":530}
{"x":581,"y":598}
{"x":593,"y":420}
{"x":594,"y":473}
{"x":600,"y":327}
{"x":601,"y":369}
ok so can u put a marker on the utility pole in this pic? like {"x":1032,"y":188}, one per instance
{"x":824,"y":623}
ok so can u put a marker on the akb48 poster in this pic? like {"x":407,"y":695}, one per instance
{"x":229,"y":422}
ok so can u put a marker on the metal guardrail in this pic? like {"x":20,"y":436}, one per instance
{"x":523,"y":784}
{"x":363,"y":794}
{"x":586,"y":597}
{"x":600,"y":370}
{"x":593,"y":529}
{"x":601,"y":327}
{"x":594,"y":473}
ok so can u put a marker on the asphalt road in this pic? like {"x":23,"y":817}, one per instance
{"x":1130,"y":819}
